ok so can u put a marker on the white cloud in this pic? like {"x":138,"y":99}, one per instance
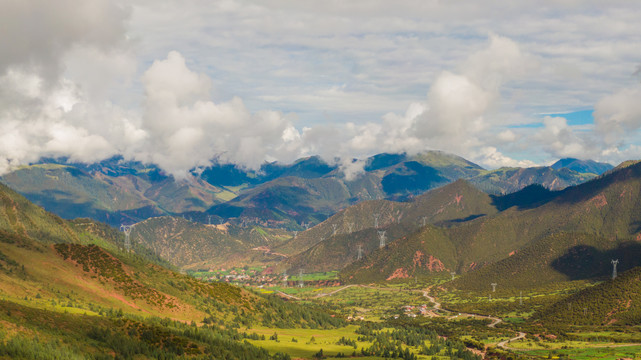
{"x":351,"y":78}
{"x":618,"y":115}
{"x":492,"y":158}
{"x":186,"y":129}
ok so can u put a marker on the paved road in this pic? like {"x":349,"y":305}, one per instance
{"x":503,"y":344}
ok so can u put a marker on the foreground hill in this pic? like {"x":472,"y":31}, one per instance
{"x":598,"y":216}
{"x":611,"y":302}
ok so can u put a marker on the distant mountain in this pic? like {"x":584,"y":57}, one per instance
{"x":277,"y":195}
{"x":112,"y":191}
{"x":582,"y":166}
{"x":508,"y":180}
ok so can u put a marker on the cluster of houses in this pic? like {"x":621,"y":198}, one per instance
{"x":414,"y":311}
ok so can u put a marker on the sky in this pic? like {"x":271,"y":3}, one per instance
{"x":183,"y":83}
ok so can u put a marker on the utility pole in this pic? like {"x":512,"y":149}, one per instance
{"x":381,"y":237}
{"x":301,"y":283}
{"x":127,"y":230}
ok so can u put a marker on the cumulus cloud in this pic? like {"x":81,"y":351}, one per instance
{"x":37,"y":33}
{"x":64,"y":87}
{"x":186,"y":129}
{"x":457,"y":114}
{"x":618,"y":115}
{"x":493,"y":158}
{"x":561,"y":140}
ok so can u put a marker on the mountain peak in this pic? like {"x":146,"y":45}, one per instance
{"x":582,"y":166}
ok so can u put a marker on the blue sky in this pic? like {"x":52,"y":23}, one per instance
{"x":180,"y":83}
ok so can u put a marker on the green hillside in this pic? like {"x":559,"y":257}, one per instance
{"x":190,"y":245}
{"x":446,"y":206}
{"x":68,"y":290}
{"x":607,"y":208}
{"x":611,"y":302}
{"x":423,"y":253}
{"x":556,"y":258}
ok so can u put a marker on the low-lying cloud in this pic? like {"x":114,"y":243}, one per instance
{"x":64,"y":93}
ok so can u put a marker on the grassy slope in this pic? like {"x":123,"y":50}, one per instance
{"x":607,"y":208}
{"x":57,"y":288}
{"x":191,"y":245}
{"x":445,"y":205}
{"x":611,"y":302}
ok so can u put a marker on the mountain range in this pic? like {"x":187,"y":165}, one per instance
{"x":309,"y":190}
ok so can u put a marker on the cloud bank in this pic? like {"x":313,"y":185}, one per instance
{"x":76,"y":85}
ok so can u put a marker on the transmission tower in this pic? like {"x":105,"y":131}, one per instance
{"x":493,"y":287}
{"x":208,"y":219}
{"x":306,"y":225}
{"x":614,"y":268}
{"x":520,"y":297}
{"x":350,"y":226}
{"x":376,"y":216}
{"x":453,"y":273}
{"x":585,"y":311}
{"x":381,"y":237}
{"x":360,"y":252}
{"x":284,"y":279}
{"x":334,"y":227}
{"x":127,"y":230}
{"x":301,"y":283}
{"x":424,"y":220}
{"x":295,"y":234}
